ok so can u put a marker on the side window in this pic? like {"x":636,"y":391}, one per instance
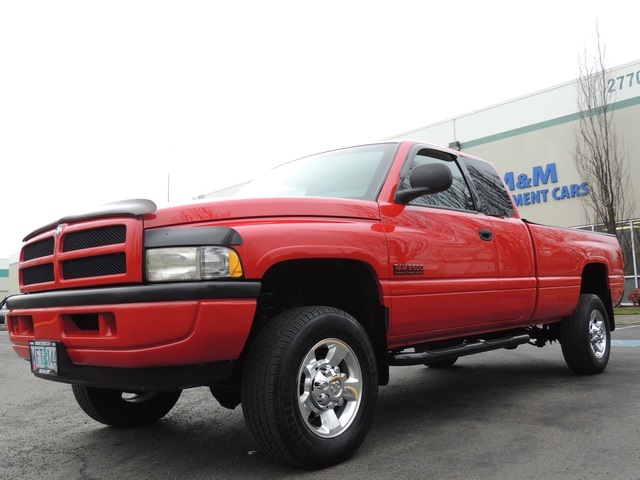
{"x":457,"y":197}
{"x":493,"y":197}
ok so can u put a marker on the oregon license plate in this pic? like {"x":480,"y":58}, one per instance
{"x":44,"y":357}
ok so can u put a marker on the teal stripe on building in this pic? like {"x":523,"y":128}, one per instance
{"x":541,"y":125}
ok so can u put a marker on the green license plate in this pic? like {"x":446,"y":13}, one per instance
{"x":44,"y":357}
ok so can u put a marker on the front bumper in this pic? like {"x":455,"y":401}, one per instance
{"x":178,"y":329}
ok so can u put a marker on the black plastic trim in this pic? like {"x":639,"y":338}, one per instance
{"x":402,"y":359}
{"x":179,"y":237}
{"x":155,"y":379}
{"x":124,"y":208}
{"x":166,"y":292}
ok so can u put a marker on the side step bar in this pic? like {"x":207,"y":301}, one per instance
{"x":419,"y":358}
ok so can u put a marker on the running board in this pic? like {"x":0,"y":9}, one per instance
{"x":420,"y":358}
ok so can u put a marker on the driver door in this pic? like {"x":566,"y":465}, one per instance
{"x":443,"y":260}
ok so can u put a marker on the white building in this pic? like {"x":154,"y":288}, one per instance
{"x":4,"y":277}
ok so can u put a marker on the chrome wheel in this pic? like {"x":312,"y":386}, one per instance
{"x":310,"y":385}
{"x":330,"y":388}
{"x":597,"y":333}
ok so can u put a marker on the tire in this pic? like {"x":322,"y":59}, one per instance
{"x":586,"y":338}
{"x":122,"y":409}
{"x":301,"y":348}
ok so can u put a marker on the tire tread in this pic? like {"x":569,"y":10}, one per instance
{"x":108,"y":407}
{"x":574,"y":338}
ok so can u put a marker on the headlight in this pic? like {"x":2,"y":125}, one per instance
{"x":192,"y":263}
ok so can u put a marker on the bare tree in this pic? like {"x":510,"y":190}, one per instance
{"x":599,"y":153}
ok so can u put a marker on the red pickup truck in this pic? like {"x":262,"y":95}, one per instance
{"x":296,"y":296}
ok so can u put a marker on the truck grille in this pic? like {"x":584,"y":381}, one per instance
{"x":95,"y":266}
{"x":94,"y":238}
{"x":38,"y":249}
{"x":96,"y":252}
{"x":38,"y":274}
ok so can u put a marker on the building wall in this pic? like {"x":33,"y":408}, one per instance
{"x":520,"y":154}
{"x":13,"y":286}
{"x":4,"y":277}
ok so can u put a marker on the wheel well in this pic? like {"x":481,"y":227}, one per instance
{"x":594,"y":280}
{"x":349,"y":285}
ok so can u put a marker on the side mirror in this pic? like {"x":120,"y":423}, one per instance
{"x":425,"y":179}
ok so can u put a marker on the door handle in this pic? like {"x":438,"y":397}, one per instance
{"x":486,"y":234}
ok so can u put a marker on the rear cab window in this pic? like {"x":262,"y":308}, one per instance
{"x":457,"y":197}
{"x":492,"y":197}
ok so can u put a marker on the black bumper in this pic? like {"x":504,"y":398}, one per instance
{"x":162,"y":292}
{"x":156,"y":379}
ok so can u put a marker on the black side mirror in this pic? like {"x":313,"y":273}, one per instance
{"x":425,"y":179}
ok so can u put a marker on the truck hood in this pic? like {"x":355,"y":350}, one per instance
{"x":231,"y":209}
{"x":223,"y":209}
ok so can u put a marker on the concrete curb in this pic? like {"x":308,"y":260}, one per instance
{"x":626,"y":320}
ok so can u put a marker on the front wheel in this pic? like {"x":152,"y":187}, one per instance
{"x":310,"y":387}
{"x":123,"y":409}
{"x":586,"y":337}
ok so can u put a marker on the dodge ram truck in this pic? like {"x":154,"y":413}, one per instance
{"x":296,"y":295}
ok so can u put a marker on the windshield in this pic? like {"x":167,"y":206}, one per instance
{"x":355,"y":172}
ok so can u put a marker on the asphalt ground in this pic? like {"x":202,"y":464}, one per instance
{"x":501,"y":415}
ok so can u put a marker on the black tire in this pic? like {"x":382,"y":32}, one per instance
{"x":300,"y":348}
{"x":122,"y":409}
{"x":586,"y":338}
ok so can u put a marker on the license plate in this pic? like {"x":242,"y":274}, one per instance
{"x":44,"y":357}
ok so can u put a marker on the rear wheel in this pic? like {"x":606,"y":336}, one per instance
{"x":310,"y":387}
{"x":586,"y":337}
{"x":124,"y":409}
